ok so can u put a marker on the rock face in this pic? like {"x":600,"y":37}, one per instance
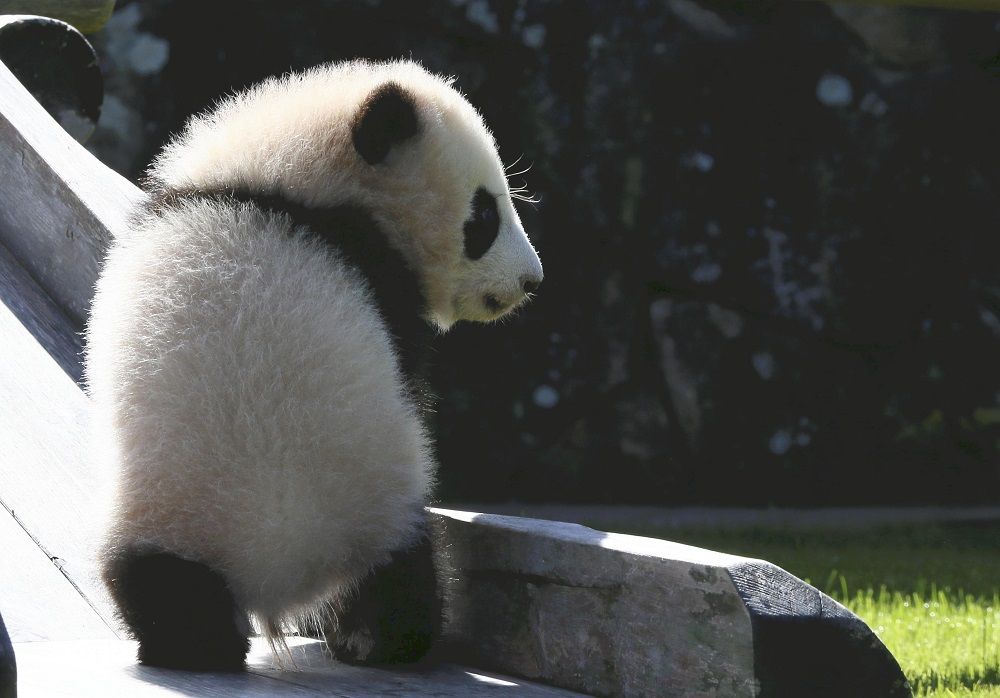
{"x":769,"y":230}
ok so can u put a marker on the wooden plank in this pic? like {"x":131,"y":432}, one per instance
{"x":50,"y":479}
{"x":102,"y":668}
{"x":805,"y":643}
{"x":37,"y":601}
{"x":40,"y":315}
{"x":60,"y":205}
{"x":108,"y":668}
{"x":311,"y":666}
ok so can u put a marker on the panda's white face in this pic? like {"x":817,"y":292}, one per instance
{"x":499,"y":269}
{"x":442,"y":190}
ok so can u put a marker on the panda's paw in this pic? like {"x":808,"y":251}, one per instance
{"x":352,"y":648}
{"x":387,"y":645}
{"x":394,"y":616}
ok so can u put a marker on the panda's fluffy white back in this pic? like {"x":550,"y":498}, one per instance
{"x":246,"y":361}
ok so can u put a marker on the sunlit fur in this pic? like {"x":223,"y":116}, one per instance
{"x":244,"y":382}
{"x":293,"y":132}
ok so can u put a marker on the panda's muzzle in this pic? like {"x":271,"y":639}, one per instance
{"x":495,"y":305}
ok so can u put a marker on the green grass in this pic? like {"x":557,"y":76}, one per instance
{"x":932,"y":593}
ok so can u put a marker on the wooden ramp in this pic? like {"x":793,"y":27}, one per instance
{"x":556,"y":603}
{"x":101,"y":668}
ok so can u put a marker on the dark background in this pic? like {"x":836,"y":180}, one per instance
{"x":770,"y":231}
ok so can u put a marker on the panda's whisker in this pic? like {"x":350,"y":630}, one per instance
{"x":521,"y":193}
{"x":517,"y":160}
{"x":520,"y":172}
{"x":527,"y":198}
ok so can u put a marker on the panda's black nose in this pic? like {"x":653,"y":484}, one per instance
{"x":530,"y":285}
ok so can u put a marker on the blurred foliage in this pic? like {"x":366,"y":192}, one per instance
{"x":769,"y":231}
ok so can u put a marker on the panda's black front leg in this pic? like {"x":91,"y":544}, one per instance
{"x":395,"y":615}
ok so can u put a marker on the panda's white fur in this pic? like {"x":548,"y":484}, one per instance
{"x":294,"y":133}
{"x":245,"y":383}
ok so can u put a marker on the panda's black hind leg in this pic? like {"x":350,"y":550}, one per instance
{"x":395,"y":615}
{"x":181,"y":612}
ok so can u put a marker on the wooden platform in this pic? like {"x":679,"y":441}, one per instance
{"x":84,"y":668}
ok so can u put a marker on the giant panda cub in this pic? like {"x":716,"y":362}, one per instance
{"x":256,"y":352}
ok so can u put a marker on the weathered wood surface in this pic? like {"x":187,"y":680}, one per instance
{"x":49,"y":479}
{"x":37,"y":601}
{"x":86,"y":15}
{"x":60,"y":206}
{"x":108,"y":668}
{"x":58,"y":66}
{"x":40,"y":315}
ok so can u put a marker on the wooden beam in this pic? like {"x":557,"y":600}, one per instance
{"x":86,"y":15}
{"x":40,"y":316}
{"x":60,"y":205}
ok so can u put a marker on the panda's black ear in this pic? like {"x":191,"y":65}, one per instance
{"x":386,"y":118}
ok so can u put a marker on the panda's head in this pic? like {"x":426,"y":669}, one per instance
{"x":392,"y":138}
{"x":433,"y":179}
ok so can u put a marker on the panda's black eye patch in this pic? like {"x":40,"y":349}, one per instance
{"x":482,"y":228}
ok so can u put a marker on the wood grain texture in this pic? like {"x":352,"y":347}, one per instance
{"x":40,"y":315}
{"x":49,"y":477}
{"x":594,"y":612}
{"x":37,"y":601}
{"x":96,"y":668}
{"x":807,"y":644}
{"x":60,"y":205}
{"x":86,"y":15}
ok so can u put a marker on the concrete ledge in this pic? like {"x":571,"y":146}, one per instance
{"x":612,"y":614}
